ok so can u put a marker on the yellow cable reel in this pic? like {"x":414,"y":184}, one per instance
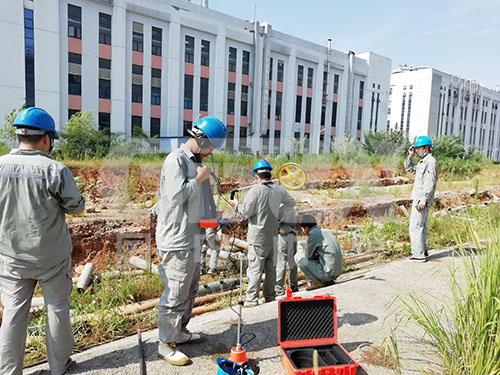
{"x":292,"y":176}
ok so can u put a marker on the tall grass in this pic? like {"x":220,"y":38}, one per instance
{"x":466,"y":332}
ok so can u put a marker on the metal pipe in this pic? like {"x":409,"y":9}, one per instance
{"x":84,"y":280}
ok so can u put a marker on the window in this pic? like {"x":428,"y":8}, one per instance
{"x":402,"y":112}
{"x":279,"y":103}
{"x":136,"y":122}
{"x":104,"y":89}
{"x":189,"y":49}
{"x":104,"y":120}
{"x":408,"y":113}
{"x":156,"y":41}
{"x":232,"y":59}
{"x":298,"y":108}
{"x":325,"y":81}
{"x":155,"y":73}
{"x":74,"y":84}
{"x":103,"y":63}
{"x":269,"y":99}
{"x":281,"y":67}
{"x":137,"y":37}
{"x":310,"y":73}
{"x":137,"y":69}
{"x":205,"y":53}
{"x":308,"y":110}
{"x":323,"y":115}
{"x":29,"y":58}
{"x":74,"y":21}
{"x":154,"y":130}
{"x":336,"y":84}
{"x":334,"y":114}
{"x":75,"y":58}
{"x":245,"y":65}
{"x":136,"y":93}
{"x":244,"y":101}
{"x":300,"y":75}
{"x":361,"y":89}
{"x":155,"y":96}
{"x":104,"y":28}
{"x":188,"y":91}
{"x":360,"y":114}
{"x":271,"y":69}
{"x":231,"y":87}
{"x":72,"y":112}
{"x":204,"y":94}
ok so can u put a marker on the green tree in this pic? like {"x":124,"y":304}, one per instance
{"x":80,"y":139}
{"x":386,"y":143}
{"x":8,"y":132}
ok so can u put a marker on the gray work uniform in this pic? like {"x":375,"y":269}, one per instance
{"x":423,"y":191}
{"x":212,"y":242}
{"x":35,"y":246}
{"x":178,"y":238}
{"x":287,"y":248}
{"x":262,"y":206}
{"x":323,"y":258}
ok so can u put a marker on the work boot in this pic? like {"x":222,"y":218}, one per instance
{"x":170,"y":354}
{"x":314,"y":284}
{"x":251,"y":303}
{"x":279,"y":291}
{"x":294,"y":288}
{"x":185,"y":337}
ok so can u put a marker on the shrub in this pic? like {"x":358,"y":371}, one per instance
{"x":4,"y":148}
{"x":386,"y":143}
{"x":81,"y":140}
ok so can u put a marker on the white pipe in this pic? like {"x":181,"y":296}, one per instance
{"x":142,"y":264}
{"x":85,"y":277}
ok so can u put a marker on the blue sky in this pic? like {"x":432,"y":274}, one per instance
{"x":458,"y":37}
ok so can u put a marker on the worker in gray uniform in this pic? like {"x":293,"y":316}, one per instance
{"x":422,"y":194}
{"x":35,"y":245}
{"x":287,"y":248}
{"x":321,"y":262}
{"x":179,"y":236}
{"x":262,"y":207}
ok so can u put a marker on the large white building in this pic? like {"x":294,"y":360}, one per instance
{"x":426,"y":101}
{"x":158,"y":64}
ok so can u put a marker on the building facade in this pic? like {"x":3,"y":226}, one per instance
{"x":160,"y":64}
{"x":426,"y":101}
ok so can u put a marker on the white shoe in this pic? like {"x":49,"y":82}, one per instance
{"x":185,"y":337}
{"x":170,"y":354}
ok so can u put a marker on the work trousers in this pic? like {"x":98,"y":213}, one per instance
{"x":17,"y":285}
{"x":312,"y":268}
{"x":287,"y":247}
{"x":418,"y":231}
{"x":261,"y":260}
{"x":180,"y":273}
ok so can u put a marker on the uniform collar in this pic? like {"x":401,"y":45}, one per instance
{"x":25,"y":151}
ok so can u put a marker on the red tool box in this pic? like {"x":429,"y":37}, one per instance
{"x":305,"y":324}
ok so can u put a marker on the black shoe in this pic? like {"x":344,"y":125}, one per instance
{"x":294,"y":289}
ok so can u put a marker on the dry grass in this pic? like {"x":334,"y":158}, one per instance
{"x":379,"y":356}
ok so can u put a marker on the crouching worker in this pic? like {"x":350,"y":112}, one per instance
{"x":35,"y":247}
{"x":322,"y":261}
{"x":179,"y":236}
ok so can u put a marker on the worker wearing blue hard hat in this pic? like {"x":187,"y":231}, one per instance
{"x":422,"y":194}
{"x":264,"y":205}
{"x":36,"y":193}
{"x":179,"y":236}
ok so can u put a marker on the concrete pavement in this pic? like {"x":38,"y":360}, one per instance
{"x":366,"y":309}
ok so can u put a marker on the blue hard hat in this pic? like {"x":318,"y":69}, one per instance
{"x":262,"y":164}
{"x":214,"y":129}
{"x":422,"y":141}
{"x":36,"y":118}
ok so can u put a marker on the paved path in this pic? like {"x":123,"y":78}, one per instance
{"x":366,"y":311}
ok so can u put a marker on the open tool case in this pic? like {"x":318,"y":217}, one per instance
{"x":305,"y":324}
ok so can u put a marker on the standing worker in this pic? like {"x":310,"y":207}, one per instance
{"x":35,"y":194}
{"x":287,"y":248}
{"x":262,"y":206}
{"x":422,"y":194}
{"x":179,"y":236}
{"x":322,"y":261}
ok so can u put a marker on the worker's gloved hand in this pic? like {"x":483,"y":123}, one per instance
{"x":203,"y":174}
